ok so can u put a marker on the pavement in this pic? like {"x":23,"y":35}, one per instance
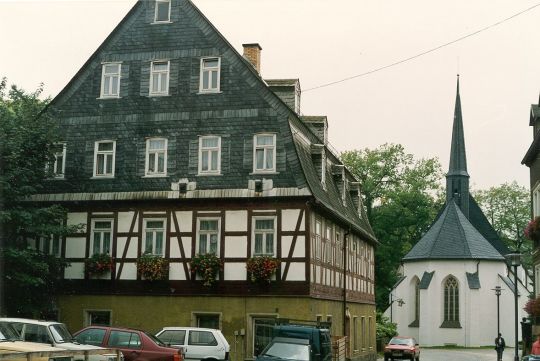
{"x":464,"y":354}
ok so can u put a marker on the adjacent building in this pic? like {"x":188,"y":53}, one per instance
{"x":446,"y":295}
{"x":173,"y":145}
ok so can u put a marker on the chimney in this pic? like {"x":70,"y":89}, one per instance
{"x":252,"y":53}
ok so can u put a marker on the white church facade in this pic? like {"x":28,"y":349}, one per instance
{"x":446,"y":292}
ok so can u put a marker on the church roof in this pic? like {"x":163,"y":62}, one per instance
{"x":473,"y":280}
{"x":426,"y":280}
{"x":482,"y":225}
{"x":458,"y":157}
{"x":452,"y":236}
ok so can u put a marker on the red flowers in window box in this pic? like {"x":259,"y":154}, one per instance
{"x":532,"y":231}
{"x":532,"y":307}
{"x":207,"y":266}
{"x":152,"y":267}
{"x":99,"y":264}
{"x":261,"y":269}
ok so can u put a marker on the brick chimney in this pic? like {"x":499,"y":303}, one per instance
{"x":252,"y":52}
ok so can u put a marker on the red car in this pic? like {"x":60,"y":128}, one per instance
{"x":136,"y":345}
{"x":401,"y":347}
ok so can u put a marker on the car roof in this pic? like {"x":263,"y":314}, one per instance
{"x":300,"y":341}
{"x":28,"y":320}
{"x":112,"y":328}
{"x":180,"y":328}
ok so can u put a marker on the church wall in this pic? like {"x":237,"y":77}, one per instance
{"x":477,"y":307}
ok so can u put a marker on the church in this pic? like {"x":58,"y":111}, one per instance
{"x":446,"y":292}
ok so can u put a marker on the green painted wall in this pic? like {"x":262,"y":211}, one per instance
{"x":151,"y":313}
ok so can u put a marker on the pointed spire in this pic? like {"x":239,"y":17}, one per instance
{"x":458,"y":157}
{"x":457,"y":178}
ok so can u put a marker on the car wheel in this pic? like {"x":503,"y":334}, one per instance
{"x":418,"y":358}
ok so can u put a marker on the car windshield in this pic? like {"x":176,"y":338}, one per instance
{"x":288,"y":351}
{"x":60,"y":333}
{"x":402,"y":341}
{"x":8,"y":333}
{"x":155,"y":339}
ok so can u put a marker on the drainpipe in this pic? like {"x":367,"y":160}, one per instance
{"x":345,"y":241}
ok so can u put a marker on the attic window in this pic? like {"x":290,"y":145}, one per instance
{"x":163,"y":11}
{"x":110,"y":80}
{"x":209,"y":75}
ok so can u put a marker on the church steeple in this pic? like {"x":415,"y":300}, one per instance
{"x":457,"y":178}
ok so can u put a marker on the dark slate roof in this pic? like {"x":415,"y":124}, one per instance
{"x":281,"y":82}
{"x":532,"y":152}
{"x":426,"y":280}
{"x":482,"y":225}
{"x":535,"y":113}
{"x":452,"y":236}
{"x":400,"y":279}
{"x":473,"y":280}
{"x":458,"y":156}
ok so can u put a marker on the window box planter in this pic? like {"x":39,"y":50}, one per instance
{"x":532,"y":230}
{"x":261,"y":269}
{"x":206,"y":266}
{"x":99,"y":266}
{"x":152,"y":267}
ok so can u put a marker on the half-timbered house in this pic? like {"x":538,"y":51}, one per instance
{"x":173,"y":145}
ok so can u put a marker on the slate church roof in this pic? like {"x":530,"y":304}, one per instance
{"x":461,"y":230}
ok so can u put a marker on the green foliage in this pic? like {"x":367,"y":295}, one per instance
{"x":402,"y":196}
{"x":31,"y":278}
{"x":152,"y":267}
{"x":385,"y":329}
{"x":26,"y":140}
{"x":98,"y":264}
{"x":507,"y":208}
{"x":207,"y":266}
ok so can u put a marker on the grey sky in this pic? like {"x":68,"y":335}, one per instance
{"x":323,"y":41}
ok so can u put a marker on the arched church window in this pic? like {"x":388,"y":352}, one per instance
{"x":451,"y":303}
{"x":416,"y":299}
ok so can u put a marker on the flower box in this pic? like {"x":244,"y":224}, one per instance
{"x":152,"y":267}
{"x":262,"y":269}
{"x":532,"y":230}
{"x":99,"y":266}
{"x":206,"y":267}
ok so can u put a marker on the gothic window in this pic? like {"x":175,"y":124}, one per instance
{"x":451,"y":303}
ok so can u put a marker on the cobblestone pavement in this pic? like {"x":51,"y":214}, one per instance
{"x":483,"y":354}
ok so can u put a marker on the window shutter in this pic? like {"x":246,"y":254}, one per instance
{"x":193,"y":166}
{"x":145,"y":78}
{"x":225,"y":154}
{"x":173,"y":77}
{"x":124,"y":80}
{"x":281,"y":157}
{"x":248,"y":153}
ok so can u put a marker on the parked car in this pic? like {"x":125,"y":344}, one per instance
{"x":197,"y":343}
{"x":286,"y":348}
{"x":10,"y":344}
{"x":401,"y":347}
{"x":317,"y":334}
{"x":136,"y":345}
{"x":54,"y":334}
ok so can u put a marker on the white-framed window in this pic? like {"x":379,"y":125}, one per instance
{"x":159,"y":77}
{"x":208,"y":230}
{"x":98,"y":318}
{"x":209,"y":155}
{"x":163,"y":11}
{"x":156,"y":157}
{"x":51,"y":245}
{"x":210,"y":75}
{"x":104,"y":154}
{"x":101,"y":236}
{"x":264,"y":153}
{"x":154,"y":236}
{"x":110,"y":80}
{"x":264,"y":236}
{"x":536,"y":201}
{"x":57,"y":165}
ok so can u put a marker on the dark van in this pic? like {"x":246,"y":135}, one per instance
{"x":317,"y":334}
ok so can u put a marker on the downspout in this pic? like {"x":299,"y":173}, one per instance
{"x":345,"y":240}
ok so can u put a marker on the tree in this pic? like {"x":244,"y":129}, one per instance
{"x":27,"y":136}
{"x":508,"y":209}
{"x":402,"y":197}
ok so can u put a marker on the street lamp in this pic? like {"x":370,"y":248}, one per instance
{"x":498,"y":290}
{"x":399,"y":301}
{"x":515,"y":260}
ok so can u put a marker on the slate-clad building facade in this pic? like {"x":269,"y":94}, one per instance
{"x":445,"y":294}
{"x":173,"y":144}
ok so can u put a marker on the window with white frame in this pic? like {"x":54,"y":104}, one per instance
{"x":264,"y":237}
{"x":57,"y":165}
{"x":110,"y":80}
{"x":104,"y":153}
{"x":163,"y":11}
{"x":210,"y":75}
{"x":159,"y":78}
{"x":101,"y":236}
{"x":208,"y":240}
{"x":156,"y":157}
{"x":209,"y":155}
{"x":50,"y":245}
{"x":154,"y":236}
{"x":536,"y":201}
{"x":264,"y":153}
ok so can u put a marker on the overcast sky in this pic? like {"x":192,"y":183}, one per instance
{"x":321,"y":41}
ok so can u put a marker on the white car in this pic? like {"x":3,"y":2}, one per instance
{"x":53,"y":334}
{"x":197,"y":343}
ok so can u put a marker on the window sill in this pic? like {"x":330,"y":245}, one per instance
{"x":155,"y":176}
{"x":102,"y":177}
{"x":108,"y":98}
{"x":209,"y":92}
{"x":450,"y":324}
{"x":56,"y":178}
{"x":270,"y":172}
{"x":209,"y":174}
{"x":161,"y":22}
{"x":158,"y":95}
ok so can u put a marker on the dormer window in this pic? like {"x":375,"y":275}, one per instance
{"x":110,"y":80}
{"x":163,"y":11}
{"x":210,"y":72}
{"x":264,"y":153}
{"x":159,"y":78}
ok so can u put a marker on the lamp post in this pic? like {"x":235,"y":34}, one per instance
{"x":400,"y":303}
{"x":498,"y":290}
{"x":515,"y":260}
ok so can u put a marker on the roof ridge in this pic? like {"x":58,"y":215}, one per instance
{"x":460,"y":226}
